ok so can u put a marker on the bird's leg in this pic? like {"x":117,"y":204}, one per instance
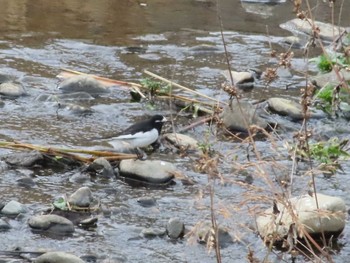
{"x":141,"y":155}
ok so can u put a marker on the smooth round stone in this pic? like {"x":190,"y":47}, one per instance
{"x":146,"y":201}
{"x":152,"y":232}
{"x":58,"y":257}
{"x":82,"y":197}
{"x":11,"y":89}
{"x":150,"y":171}
{"x":175,"y":228}
{"x":52,"y":223}
{"x":13,"y":208}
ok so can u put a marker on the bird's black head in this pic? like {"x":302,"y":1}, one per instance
{"x":158,"y":121}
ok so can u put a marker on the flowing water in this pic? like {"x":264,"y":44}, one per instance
{"x":178,"y":40}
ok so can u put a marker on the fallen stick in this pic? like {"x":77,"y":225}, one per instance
{"x":70,"y":153}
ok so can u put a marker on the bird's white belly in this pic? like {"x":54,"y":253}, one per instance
{"x":136,"y":140}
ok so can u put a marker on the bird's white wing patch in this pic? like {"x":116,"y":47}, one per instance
{"x":140,"y":139}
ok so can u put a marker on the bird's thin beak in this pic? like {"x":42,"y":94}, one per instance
{"x":164,"y":119}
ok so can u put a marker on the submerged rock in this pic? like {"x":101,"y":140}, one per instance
{"x":74,"y":96}
{"x":175,"y":228}
{"x":150,"y":171}
{"x":330,"y":217}
{"x":52,"y":223}
{"x":23,"y":159}
{"x":4,"y":225}
{"x":13,"y":208}
{"x":238,"y":115}
{"x":152,"y":232}
{"x":82,"y":197}
{"x":11,"y":89}
{"x":83,"y":83}
{"x":58,"y":257}
{"x":146,"y":201}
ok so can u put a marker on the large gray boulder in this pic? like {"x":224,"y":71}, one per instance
{"x":149,"y":171}
{"x":330,"y":217}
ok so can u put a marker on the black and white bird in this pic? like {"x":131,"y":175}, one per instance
{"x":140,"y":134}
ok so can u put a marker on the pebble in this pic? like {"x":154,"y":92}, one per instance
{"x":13,"y":208}
{"x":81,"y":198}
{"x":175,"y":228}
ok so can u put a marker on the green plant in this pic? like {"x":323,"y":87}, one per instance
{"x":326,"y":63}
{"x":155,"y":87}
{"x":326,"y":152}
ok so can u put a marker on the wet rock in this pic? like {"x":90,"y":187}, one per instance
{"x":81,"y":198}
{"x":181,"y":141}
{"x":13,"y":208}
{"x":291,"y":109}
{"x":4,"y":225}
{"x":235,"y":119}
{"x":152,"y":232}
{"x":331,"y":78}
{"x":5,"y":78}
{"x":3,"y":166}
{"x":175,"y":228}
{"x":82,"y":83}
{"x":10,"y":89}
{"x":331,"y":214}
{"x":75,"y":108}
{"x":26,"y":182}
{"x":58,"y":257}
{"x":327,"y":31}
{"x":23,"y":159}
{"x":52,"y":223}
{"x":146,"y":201}
{"x":242,"y":80}
{"x":74,"y":96}
{"x":88,"y":222}
{"x":204,"y":231}
{"x":101,"y":167}
{"x":286,"y":107}
{"x":150,"y":171}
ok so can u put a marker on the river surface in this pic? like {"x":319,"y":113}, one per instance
{"x":178,"y":40}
